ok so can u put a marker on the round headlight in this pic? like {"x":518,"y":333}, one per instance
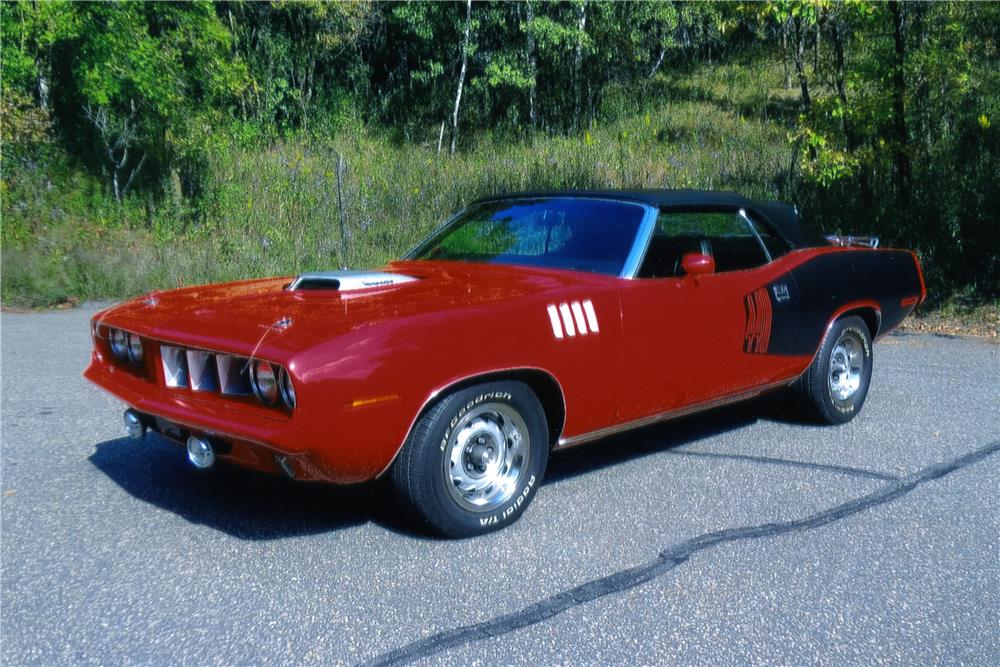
{"x":287,"y":388}
{"x":119,"y":343}
{"x":263,"y":382}
{"x":134,"y":348}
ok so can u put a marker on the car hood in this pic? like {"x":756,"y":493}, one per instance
{"x":264,"y":316}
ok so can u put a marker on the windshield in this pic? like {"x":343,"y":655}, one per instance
{"x":592,"y":235}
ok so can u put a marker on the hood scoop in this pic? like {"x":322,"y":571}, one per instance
{"x":347,"y":281}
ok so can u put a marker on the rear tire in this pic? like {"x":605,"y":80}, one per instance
{"x":475,"y":459}
{"x":834,"y":387}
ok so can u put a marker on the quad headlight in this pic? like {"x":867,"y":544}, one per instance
{"x":134,"y":348}
{"x":119,"y":343}
{"x":264,"y":382}
{"x":270,"y":381}
{"x":287,"y":388}
{"x":124,"y":345}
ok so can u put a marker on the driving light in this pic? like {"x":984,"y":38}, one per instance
{"x":134,"y":349}
{"x":134,"y":427}
{"x":287,"y":389}
{"x":119,"y":344}
{"x":200,"y":452}
{"x":263,"y":382}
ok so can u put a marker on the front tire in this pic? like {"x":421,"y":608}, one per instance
{"x":835,"y":386}
{"x":475,"y":459}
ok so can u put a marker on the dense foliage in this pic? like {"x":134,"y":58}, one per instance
{"x":147,"y":144}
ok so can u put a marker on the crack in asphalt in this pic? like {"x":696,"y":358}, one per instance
{"x":825,"y":467}
{"x":667,"y":560}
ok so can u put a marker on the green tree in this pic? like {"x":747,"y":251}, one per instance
{"x":303,"y":57}
{"x":129,"y":83}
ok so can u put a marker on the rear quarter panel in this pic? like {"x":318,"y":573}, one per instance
{"x":837,"y":280}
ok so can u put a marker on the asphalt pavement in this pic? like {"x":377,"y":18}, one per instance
{"x":739,"y":535}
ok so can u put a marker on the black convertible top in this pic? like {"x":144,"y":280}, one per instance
{"x":782,"y":216}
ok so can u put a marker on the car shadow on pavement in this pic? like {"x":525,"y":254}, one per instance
{"x":256,"y":506}
{"x":645,"y":441}
{"x":671,"y":434}
{"x":245,"y":504}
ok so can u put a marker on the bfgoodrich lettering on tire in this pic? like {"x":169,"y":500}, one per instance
{"x":475,"y":459}
{"x":835,"y":385}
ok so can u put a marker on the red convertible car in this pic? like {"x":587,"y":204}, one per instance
{"x":526,"y":323}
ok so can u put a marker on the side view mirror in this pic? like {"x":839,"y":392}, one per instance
{"x":697,"y":264}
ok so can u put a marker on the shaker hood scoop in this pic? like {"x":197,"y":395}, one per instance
{"x":345,"y":281}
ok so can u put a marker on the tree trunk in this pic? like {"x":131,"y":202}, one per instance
{"x":176,"y":189}
{"x":819,"y":36}
{"x":340,"y":211}
{"x":784,"y":55}
{"x":441,"y":135}
{"x":920,"y":107}
{"x":114,"y":184}
{"x":659,"y":61}
{"x":461,"y":75}
{"x":131,"y":177}
{"x":532,"y":64}
{"x":837,"y":37}
{"x":581,"y":26}
{"x":902,"y":160}
{"x":305,"y":94}
{"x":116,"y":140}
{"x":41,"y":67}
{"x":799,"y":54}
{"x":43,"y":86}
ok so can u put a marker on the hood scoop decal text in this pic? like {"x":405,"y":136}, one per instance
{"x":346,"y":281}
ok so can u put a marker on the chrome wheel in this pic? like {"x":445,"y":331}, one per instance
{"x":847,"y":363}
{"x":486,"y":455}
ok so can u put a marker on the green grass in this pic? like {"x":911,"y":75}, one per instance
{"x":274,"y":210}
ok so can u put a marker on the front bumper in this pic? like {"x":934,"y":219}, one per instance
{"x":247,"y":435}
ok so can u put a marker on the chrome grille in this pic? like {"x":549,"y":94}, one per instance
{"x":205,"y":371}
{"x":202,"y":374}
{"x":174,"y":366}
{"x":234,"y":374}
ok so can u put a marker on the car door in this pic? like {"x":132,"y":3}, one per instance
{"x":692,"y":339}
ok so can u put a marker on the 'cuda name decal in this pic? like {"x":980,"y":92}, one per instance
{"x":568,"y":319}
{"x":758,"y":327}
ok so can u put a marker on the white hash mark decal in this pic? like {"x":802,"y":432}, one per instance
{"x":554,"y":319}
{"x":569,"y":318}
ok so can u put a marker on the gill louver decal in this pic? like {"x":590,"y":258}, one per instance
{"x":570,"y":319}
{"x":757,"y":305}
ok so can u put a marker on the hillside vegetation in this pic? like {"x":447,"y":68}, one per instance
{"x":274,"y":210}
{"x":114,"y":185}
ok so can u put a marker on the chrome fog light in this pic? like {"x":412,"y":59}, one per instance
{"x":263,"y":382}
{"x":200,"y":452}
{"x":134,"y":349}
